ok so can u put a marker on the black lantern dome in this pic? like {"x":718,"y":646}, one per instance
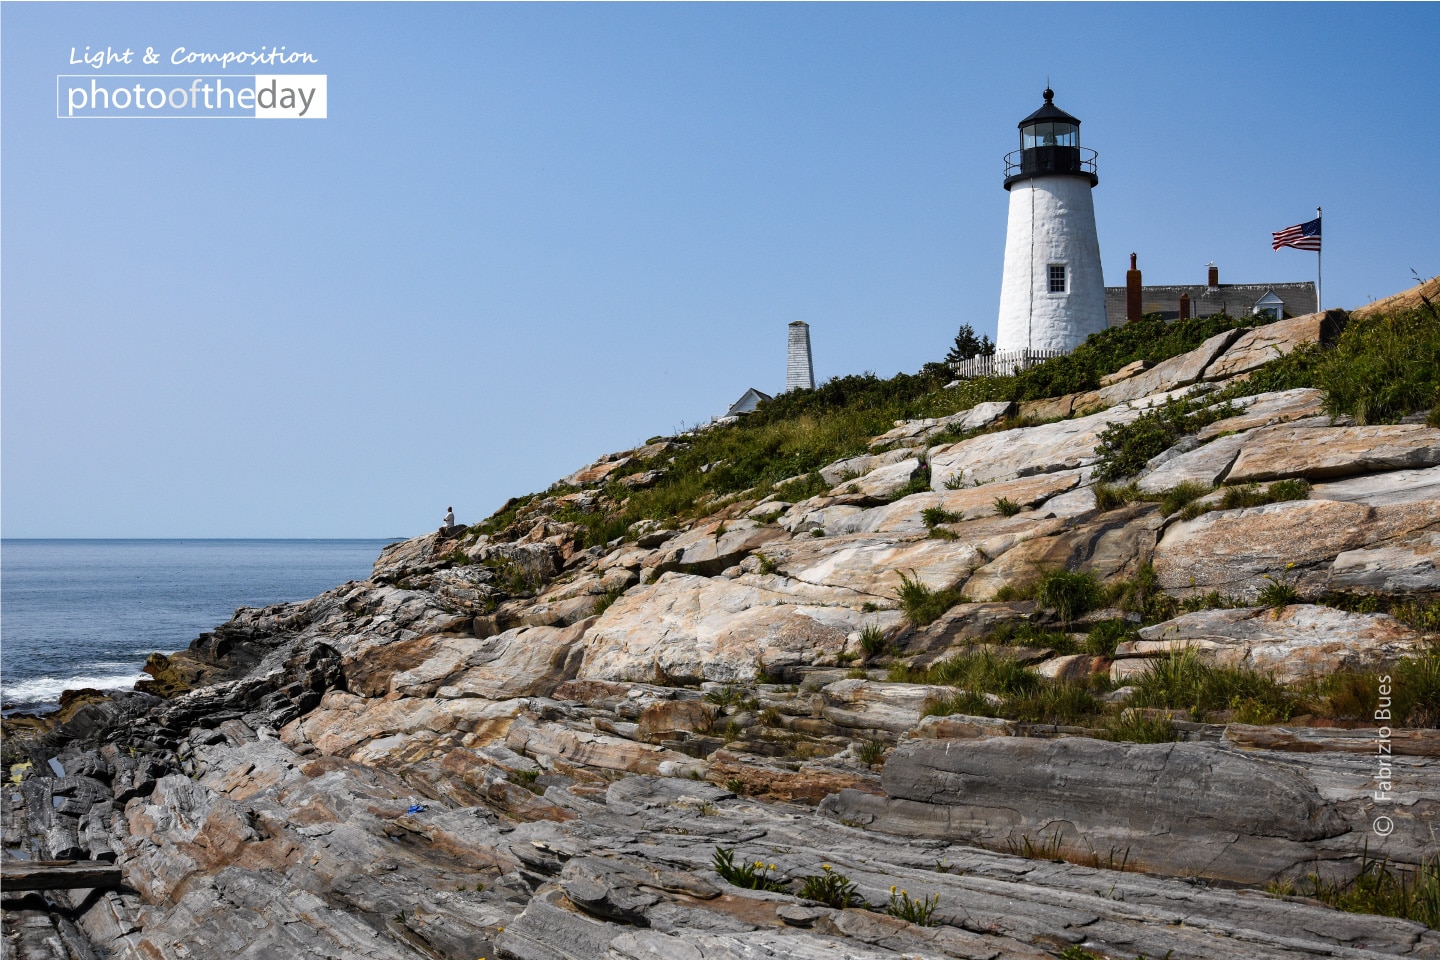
{"x":1050,"y":146}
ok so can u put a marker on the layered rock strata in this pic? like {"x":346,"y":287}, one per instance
{"x":510,"y":744}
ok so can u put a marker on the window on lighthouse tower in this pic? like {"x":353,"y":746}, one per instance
{"x":1058,"y":278}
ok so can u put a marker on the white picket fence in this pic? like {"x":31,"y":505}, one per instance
{"x":1003,"y":363}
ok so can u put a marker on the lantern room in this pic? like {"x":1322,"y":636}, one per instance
{"x":1050,"y":144}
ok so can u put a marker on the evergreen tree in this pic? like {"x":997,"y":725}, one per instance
{"x":968,"y":345}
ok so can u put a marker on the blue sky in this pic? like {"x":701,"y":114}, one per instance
{"x":528,"y":235}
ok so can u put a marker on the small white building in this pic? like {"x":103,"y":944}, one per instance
{"x":747,"y":403}
{"x":1053,"y":293}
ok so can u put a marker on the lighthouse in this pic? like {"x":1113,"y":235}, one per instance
{"x":1053,"y":294}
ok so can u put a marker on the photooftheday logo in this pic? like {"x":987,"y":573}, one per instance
{"x":266,"y":96}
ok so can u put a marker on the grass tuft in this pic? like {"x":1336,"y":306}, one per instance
{"x":1069,"y":593}
{"x":753,"y":875}
{"x":1111,"y":496}
{"x":1185,"y":681}
{"x":872,"y":641}
{"x":1179,"y":497}
{"x":1132,"y":726}
{"x":924,"y":606}
{"x":831,"y":888}
{"x":934,"y":516}
{"x":871,"y":751}
{"x":604,"y":601}
{"x":1410,"y":894}
{"x":917,"y":911}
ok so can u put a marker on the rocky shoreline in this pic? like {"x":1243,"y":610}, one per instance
{"x":507,"y":743}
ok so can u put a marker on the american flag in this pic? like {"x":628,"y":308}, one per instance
{"x":1302,"y":236}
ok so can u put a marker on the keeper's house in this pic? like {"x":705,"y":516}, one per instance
{"x":1280,"y":300}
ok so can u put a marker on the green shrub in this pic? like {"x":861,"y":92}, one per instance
{"x":1411,"y":693}
{"x":597,"y":528}
{"x":1348,"y":695}
{"x":924,"y":606}
{"x":1141,"y":593}
{"x":871,"y":751}
{"x":1106,"y":635}
{"x":1007,"y":507}
{"x":1293,"y":489}
{"x":1068,"y":593}
{"x":1052,"y":702}
{"x":1384,"y":367}
{"x":802,"y":488}
{"x":1298,"y":368}
{"x":1125,"y":448}
{"x":919,"y":483}
{"x":727,"y":696}
{"x":755,"y":875}
{"x":1212,"y":600}
{"x":980,"y":672}
{"x":1025,"y":695}
{"x":1421,"y":613}
{"x":1250,"y":494}
{"x":511,"y":577}
{"x":1011,"y":592}
{"x":831,"y":888}
{"x":1193,"y":510}
{"x":1150,"y":339}
{"x":965,"y":702}
{"x":1244,"y":495}
{"x":1077,"y":952}
{"x":1022,"y":633}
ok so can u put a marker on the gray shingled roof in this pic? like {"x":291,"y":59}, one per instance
{"x":747,"y":403}
{"x":1236,"y":299}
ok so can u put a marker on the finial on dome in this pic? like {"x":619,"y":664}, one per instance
{"x":1049,"y":94}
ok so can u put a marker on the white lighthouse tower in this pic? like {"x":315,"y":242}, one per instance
{"x":1053,"y":294}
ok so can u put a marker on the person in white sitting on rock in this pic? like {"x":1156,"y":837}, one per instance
{"x":449,"y":518}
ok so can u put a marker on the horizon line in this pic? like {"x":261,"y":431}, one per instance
{"x":5,"y":538}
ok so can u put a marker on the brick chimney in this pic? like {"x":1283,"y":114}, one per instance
{"x":1132,"y":292}
{"x":1184,"y":306}
{"x":1212,"y":279}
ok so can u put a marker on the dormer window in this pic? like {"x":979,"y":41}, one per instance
{"x":1270,"y":305}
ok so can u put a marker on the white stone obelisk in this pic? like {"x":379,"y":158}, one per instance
{"x":1053,"y":293}
{"x":799,"y":374}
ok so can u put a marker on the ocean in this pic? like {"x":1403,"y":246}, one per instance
{"x":86,"y":613}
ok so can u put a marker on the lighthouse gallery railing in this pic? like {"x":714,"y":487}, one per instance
{"x":1052,"y":160}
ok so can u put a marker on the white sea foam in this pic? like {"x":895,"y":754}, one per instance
{"x":48,"y":689}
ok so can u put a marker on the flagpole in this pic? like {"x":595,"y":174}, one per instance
{"x":1319,"y":300}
